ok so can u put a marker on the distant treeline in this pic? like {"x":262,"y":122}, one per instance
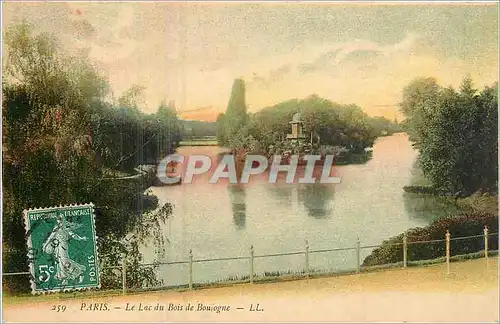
{"x":198,"y":129}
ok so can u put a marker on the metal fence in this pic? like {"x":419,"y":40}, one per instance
{"x":476,"y":246}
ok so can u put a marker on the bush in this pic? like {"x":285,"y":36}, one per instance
{"x":460,"y":225}
{"x":428,"y":190}
{"x":480,"y":202}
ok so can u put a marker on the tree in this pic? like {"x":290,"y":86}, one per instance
{"x":235,"y":118}
{"x":382,"y":126}
{"x":60,"y":139}
{"x":197,"y":129}
{"x":328,"y":122}
{"x":169,"y":129}
{"x":420,"y":99}
{"x":456,"y":134}
{"x":321,"y":118}
{"x":221,"y":130}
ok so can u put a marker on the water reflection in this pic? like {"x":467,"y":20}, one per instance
{"x":369,"y":202}
{"x":282,"y":192}
{"x":237,"y":197}
{"x":316,"y":198}
{"x":354,"y":158}
{"x":423,"y":207}
{"x":427,"y":208}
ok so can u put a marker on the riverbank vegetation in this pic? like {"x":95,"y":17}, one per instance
{"x":63,"y":136}
{"x":461,"y":225}
{"x":329,"y":127}
{"x":455,"y":132}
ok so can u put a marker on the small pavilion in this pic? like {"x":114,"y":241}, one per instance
{"x":297,"y":128}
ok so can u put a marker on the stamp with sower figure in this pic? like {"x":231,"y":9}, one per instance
{"x":62,"y":248}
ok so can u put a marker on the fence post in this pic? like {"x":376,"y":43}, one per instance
{"x":405,"y":251}
{"x":307,"y":259}
{"x":251,"y":263}
{"x":124,"y":274}
{"x":358,"y":255}
{"x":447,"y":236}
{"x":486,"y":242}
{"x":190,"y":269}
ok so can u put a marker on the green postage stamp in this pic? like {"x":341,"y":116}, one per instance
{"x":62,"y":248}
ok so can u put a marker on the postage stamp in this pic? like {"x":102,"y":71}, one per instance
{"x":62,"y":249}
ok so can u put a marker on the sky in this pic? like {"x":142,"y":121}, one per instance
{"x":190,"y":53}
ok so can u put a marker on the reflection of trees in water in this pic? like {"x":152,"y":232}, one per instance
{"x":427,"y":207}
{"x":237,"y":197}
{"x":417,"y":177}
{"x":354,"y":158}
{"x":315,"y":198}
{"x":282,"y":192}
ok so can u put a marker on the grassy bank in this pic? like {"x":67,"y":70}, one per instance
{"x":478,"y":202}
{"x":465,"y":224}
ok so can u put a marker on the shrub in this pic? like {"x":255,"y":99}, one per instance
{"x":460,"y":225}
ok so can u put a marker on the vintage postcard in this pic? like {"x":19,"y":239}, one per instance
{"x":250,"y":161}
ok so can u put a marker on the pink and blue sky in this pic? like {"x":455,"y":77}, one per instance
{"x":350,"y":53}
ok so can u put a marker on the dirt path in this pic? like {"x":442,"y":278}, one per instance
{"x":468,"y":293}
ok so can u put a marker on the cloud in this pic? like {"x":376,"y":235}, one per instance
{"x":319,"y":63}
{"x":330,"y":66}
{"x":273,"y":76}
{"x":191,"y":53}
{"x":355,"y":50}
{"x":278,"y":74}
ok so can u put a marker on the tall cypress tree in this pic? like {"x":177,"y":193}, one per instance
{"x":236,"y":112}
{"x":235,"y":117}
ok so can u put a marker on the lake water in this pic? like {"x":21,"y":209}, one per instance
{"x":218,"y":221}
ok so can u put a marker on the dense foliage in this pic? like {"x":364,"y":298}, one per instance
{"x":62,"y":138}
{"x":456,"y":134}
{"x":383,"y":126}
{"x":327,"y":124}
{"x":198,"y":129}
{"x":232,"y":125}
